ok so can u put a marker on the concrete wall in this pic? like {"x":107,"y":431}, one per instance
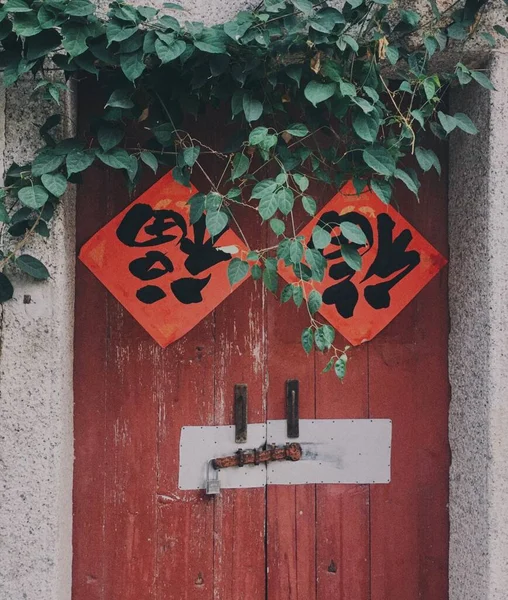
{"x":36,"y":361}
{"x":478,"y":354}
{"x":36,"y":337}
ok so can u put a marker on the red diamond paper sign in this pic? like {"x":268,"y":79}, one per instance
{"x":397,"y":262}
{"x":168,"y":273}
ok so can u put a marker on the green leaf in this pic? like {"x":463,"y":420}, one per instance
{"x":256,"y":272}
{"x":168,"y":52}
{"x":252,"y":108}
{"x":329,"y":365}
{"x":277,"y":226}
{"x":297,"y":130}
{"x":74,"y":38}
{"x":263,"y":188}
{"x":33,"y":196}
{"x":351,"y":42}
{"x":317,"y":262}
{"x":285,"y":200}
{"x":427,"y":159}
{"x":26,"y":25}
{"x":197,"y":207}
{"x":46,"y":162}
{"x":16,"y":6}
{"x":237,"y":270}
{"x":340,"y":366}
{"x":190,"y":155}
{"x":431,"y":45}
{"x":132,"y":64}
{"x":380,"y":160}
{"x":418,"y":116}
{"x":32,"y":266}
{"x":429,"y":88}
{"x":314,"y":301}
{"x":320,"y":238}
{"x":408,"y":181}
{"x":465,"y":123}
{"x":304,"y":6}
{"x":482,"y":79}
{"x":319,"y":92}
{"x":351,"y":256}
{"x":216,"y":221}
{"x":447,"y":121}
{"x":347,"y":89}
{"x":120,"y":99}
{"x":80,"y":8}
{"x":109,"y":135}
{"x":287,"y":293}
{"x":267,"y":206}
{"x":150,"y":160}
{"x":295,"y":73}
{"x":211,"y":43}
{"x":164,"y":133}
{"x":295,"y":251}
{"x":301,"y":181}
{"x":4,"y":215}
{"x":392,"y":54}
{"x":117,"y":158}
{"x":252,"y":255}
{"x":240,"y":165}
{"x":55,"y":183}
{"x":78,"y":161}
{"x":410,"y":17}
{"x":257,"y":135}
{"x":40,"y":45}
{"x":307,"y":339}
{"x":117,"y":31}
{"x":6,"y":289}
{"x":271,"y":280}
{"x":353,"y":233}
{"x":297,"y":295}
{"x":309,"y":205}
{"x":366,"y":127}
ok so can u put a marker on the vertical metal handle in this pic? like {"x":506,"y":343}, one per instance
{"x":240,"y":413}
{"x":292,"y":412}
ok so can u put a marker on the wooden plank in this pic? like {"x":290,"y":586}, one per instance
{"x":239,"y":518}
{"x":91,"y":347}
{"x":342,"y":511}
{"x":408,"y":383}
{"x":291,"y":535}
{"x":185,"y":518}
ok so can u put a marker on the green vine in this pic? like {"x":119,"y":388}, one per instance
{"x":306,"y":84}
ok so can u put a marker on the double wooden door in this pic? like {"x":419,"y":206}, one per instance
{"x":138,"y":537}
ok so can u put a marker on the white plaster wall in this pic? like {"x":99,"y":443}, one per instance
{"x":36,"y":336}
{"x":478,"y":355}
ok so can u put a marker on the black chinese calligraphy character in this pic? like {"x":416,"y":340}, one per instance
{"x":154,"y":223}
{"x":392,"y":263}
{"x":344,"y":294}
{"x":392,"y":257}
{"x":144,"y":226}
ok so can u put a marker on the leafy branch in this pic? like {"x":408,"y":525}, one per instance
{"x":308,"y":90}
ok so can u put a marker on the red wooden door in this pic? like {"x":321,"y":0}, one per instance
{"x":137,"y":536}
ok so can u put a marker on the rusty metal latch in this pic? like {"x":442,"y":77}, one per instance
{"x":291,"y":452}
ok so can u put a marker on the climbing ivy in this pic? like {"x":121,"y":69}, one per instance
{"x":310,"y":87}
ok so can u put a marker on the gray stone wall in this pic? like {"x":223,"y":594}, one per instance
{"x":36,"y":337}
{"x":478,"y":353}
